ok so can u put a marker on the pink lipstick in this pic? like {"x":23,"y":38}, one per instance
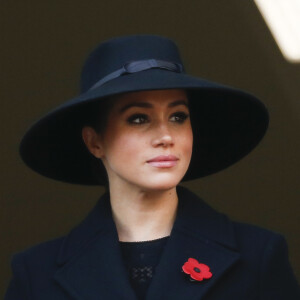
{"x":163,"y":161}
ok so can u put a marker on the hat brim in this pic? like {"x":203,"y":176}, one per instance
{"x":227,"y":124}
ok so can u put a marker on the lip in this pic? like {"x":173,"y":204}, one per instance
{"x":163,"y":161}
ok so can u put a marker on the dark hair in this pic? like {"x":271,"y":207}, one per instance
{"x":95,"y":115}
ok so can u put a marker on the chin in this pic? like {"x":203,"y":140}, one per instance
{"x":162,"y":183}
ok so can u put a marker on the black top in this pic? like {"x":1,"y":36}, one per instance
{"x":140,"y":259}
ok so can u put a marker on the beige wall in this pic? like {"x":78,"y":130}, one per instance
{"x":43,"y":45}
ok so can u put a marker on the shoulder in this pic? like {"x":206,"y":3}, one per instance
{"x":200,"y":218}
{"x":207,"y":221}
{"x":267,"y":252}
{"x":38,"y":262}
{"x":254,"y":240}
{"x":46,"y":252}
{"x":260,"y":245}
{"x":53,"y":251}
{"x":254,"y":236}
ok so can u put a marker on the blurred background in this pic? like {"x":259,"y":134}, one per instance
{"x":43,"y":46}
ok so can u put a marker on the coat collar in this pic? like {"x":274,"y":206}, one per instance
{"x":91,"y":263}
{"x":201,"y":233}
{"x":197,"y":218}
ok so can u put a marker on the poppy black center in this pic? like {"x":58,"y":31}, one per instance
{"x":197,"y":270}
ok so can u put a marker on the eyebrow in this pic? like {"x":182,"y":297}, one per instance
{"x":149,"y":105}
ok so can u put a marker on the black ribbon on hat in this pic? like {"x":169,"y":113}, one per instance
{"x":138,"y":66}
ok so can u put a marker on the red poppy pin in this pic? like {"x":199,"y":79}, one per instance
{"x":196,"y":270}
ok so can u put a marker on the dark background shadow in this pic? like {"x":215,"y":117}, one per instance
{"x":43,"y":45}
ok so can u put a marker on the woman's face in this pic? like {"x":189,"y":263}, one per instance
{"x":147,"y":141}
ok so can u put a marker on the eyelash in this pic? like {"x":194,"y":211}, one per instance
{"x":180,"y":118}
{"x":133,"y":119}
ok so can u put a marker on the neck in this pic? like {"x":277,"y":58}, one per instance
{"x":143,"y":215}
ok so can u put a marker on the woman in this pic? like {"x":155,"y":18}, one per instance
{"x":140,"y":126}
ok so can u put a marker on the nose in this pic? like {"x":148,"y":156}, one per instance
{"x":163,"y":137}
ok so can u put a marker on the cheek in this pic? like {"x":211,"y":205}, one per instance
{"x":124,"y":145}
{"x":186,"y":142}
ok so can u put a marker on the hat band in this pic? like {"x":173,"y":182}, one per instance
{"x":138,"y":66}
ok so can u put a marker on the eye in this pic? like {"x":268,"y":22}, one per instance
{"x":138,"y":119}
{"x":179,"y":117}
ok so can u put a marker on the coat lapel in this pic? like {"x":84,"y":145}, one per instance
{"x":90,"y":259}
{"x":201,"y":233}
{"x":91,"y":264}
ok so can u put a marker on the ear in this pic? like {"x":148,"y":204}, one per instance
{"x":92,"y":140}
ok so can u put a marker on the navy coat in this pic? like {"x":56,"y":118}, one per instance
{"x":247,"y":262}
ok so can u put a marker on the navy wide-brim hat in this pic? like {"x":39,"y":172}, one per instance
{"x":227,"y":123}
